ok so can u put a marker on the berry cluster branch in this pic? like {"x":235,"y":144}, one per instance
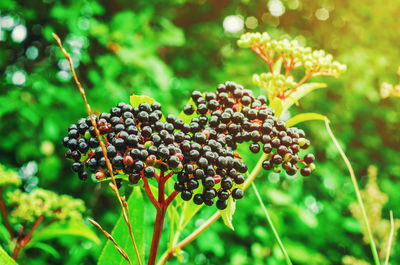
{"x":103,"y":148}
{"x":4,"y":214}
{"x":161,"y":207}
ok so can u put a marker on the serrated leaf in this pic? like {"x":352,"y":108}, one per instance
{"x":5,"y":259}
{"x":300,"y":92}
{"x":277,"y":66}
{"x":227,"y":214}
{"x":188,"y":118}
{"x":304,"y":117}
{"x":135,"y":100}
{"x":120,"y":233}
{"x":57,"y":230}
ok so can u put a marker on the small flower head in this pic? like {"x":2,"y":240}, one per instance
{"x":9,"y":177}
{"x":29,"y":206}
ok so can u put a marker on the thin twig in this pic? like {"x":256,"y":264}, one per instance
{"x":103,"y":147}
{"x":120,"y":250}
{"x":271,"y":224}
{"x":4,"y":213}
{"x":358,"y":194}
{"x":392,"y":229}
{"x":302,"y":81}
{"x":258,"y":51}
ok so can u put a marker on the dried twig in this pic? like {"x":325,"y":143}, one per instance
{"x":103,"y":147}
{"x":120,"y":250}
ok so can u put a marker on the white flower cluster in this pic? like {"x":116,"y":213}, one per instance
{"x":314,"y":62}
{"x":30,"y":206}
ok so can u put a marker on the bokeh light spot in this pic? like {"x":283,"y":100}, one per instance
{"x":7,"y":22}
{"x":63,"y":75}
{"x":233,"y":24}
{"x":251,"y":22}
{"x":18,"y":78}
{"x":32,"y":53}
{"x":322,"y":14}
{"x":276,"y":8}
{"x":84,"y":23}
{"x":293,"y":4}
{"x":18,"y":34}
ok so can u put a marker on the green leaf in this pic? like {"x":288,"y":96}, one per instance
{"x":276,"y":105}
{"x":4,"y":235}
{"x":120,"y":233}
{"x":57,"y":230}
{"x":45,"y":247}
{"x":305,"y":255}
{"x":188,"y":118}
{"x":189,"y":210}
{"x":300,"y":92}
{"x":304,"y":117}
{"x":227,"y":214}
{"x":136,"y":100}
{"x":5,"y":259}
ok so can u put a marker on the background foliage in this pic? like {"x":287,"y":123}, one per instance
{"x":166,"y":49}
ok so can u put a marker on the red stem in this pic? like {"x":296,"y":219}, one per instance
{"x":258,"y":51}
{"x":5,"y":215}
{"x":24,"y":241}
{"x":157,"y":234}
{"x":159,"y":220}
{"x":171,"y":197}
{"x":149,"y":193}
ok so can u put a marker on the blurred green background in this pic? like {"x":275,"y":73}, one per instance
{"x":166,"y":49}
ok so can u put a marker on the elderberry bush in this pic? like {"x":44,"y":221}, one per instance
{"x":201,"y":153}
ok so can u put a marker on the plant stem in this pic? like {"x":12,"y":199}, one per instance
{"x":169,"y":254}
{"x":392,"y":228}
{"x":24,"y":241}
{"x":5,"y":215}
{"x":158,"y":226}
{"x":357,"y":190}
{"x":157,"y":234}
{"x":271,"y":224}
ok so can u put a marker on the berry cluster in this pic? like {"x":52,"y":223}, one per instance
{"x":233,"y":115}
{"x":201,"y":153}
